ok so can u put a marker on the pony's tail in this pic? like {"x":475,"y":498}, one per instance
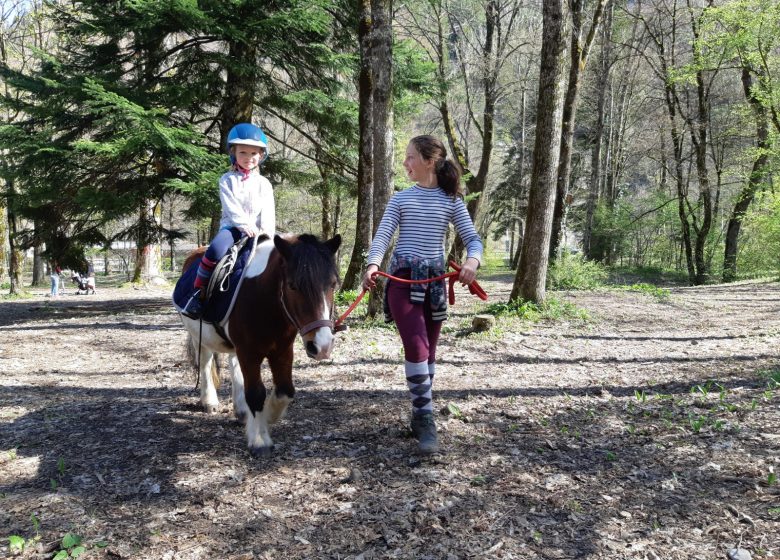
{"x":192,"y":357}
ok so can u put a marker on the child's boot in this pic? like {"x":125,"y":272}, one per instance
{"x":194,"y":306}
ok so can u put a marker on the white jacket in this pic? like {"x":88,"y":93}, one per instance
{"x":247,"y":203}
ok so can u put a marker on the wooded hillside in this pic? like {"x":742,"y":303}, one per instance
{"x":651,"y":136}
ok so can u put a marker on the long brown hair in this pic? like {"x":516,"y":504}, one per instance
{"x":447,"y":171}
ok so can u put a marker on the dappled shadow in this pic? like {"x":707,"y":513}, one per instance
{"x":533,"y":467}
{"x":121,"y":326}
{"x":621,"y":337}
{"x":134,"y":455}
{"x":498,"y":358}
{"x":14,"y":312}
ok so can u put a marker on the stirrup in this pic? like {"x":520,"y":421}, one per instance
{"x":194,"y":306}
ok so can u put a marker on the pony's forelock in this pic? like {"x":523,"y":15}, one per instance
{"x":311,"y":266}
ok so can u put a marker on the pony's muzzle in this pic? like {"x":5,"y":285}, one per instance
{"x":319,"y":343}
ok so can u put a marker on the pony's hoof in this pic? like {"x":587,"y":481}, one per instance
{"x":210,"y":408}
{"x":241,"y":418}
{"x":261,"y":451}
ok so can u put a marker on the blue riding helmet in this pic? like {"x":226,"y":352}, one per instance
{"x":249,"y":135}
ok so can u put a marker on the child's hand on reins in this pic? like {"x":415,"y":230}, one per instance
{"x":468,"y":272}
{"x":249,"y":231}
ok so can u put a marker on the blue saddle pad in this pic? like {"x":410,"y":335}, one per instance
{"x":220,"y":304}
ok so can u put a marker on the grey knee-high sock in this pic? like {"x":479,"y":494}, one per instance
{"x":419,"y":382}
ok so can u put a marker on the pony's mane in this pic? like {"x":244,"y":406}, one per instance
{"x":311,"y":266}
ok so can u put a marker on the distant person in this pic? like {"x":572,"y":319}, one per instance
{"x":55,"y":280}
{"x":247,"y":205}
{"x":422,"y":214}
{"x":91,"y":276}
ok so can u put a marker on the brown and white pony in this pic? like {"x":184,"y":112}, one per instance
{"x":287,"y":289}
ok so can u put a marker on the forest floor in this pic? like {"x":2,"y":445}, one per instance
{"x":647,"y":431}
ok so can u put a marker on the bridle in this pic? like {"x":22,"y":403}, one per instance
{"x":308,"y":327}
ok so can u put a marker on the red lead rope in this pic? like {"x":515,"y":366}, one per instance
{"x":474,"y":288}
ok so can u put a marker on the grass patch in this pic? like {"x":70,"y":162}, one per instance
{"x":553,"y":309}
{"x":661,"y":294}
{"x":772,"y":377}
{"x":18,"y":296}
{"x":708,"y":408}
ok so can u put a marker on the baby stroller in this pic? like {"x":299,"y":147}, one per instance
{"x":83,"y":283}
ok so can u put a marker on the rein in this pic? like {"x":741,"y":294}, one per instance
{"x":474,"y":288}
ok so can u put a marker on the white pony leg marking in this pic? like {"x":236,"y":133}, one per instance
{"x":208,"y":392}
{"x":257,"y":435}
{"x":240,"y":407}
{"x":275,"y":407}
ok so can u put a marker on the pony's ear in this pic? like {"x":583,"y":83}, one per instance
{"x":334,"y":244}
{"x":282,"y":245}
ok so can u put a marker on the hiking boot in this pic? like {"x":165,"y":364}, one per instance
{"x":424,"y":429}
{"x":194,"y":307}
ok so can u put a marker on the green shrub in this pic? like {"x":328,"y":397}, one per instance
{"x":573,"y":272}
{"x":646,"y":275}
{"x":552,"y":309}
{"x":759,"y":249}
{"x":345,"y":298}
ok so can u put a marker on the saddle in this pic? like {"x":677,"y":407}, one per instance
{"x":223,"y":285}
{"x":220,"y":277}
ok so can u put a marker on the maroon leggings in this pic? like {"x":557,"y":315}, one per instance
{"x":419,"y":333}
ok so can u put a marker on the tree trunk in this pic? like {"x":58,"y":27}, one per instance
{"x":14,"y":255}
{"x":755,"y":181}
{"x":326,"y":213}
{"x":6,"y":247}
{"x":594,"y":189}
{"x":531,"y":275}
{"x":4,"y":256}
{"x":365,"y":204}
{"x":513,"y":264}
{"x":39,"y":266}
{"x":476,"y":183}
{"x":442,"y":79}
{"x":171,"y":241}
{"x":699,"y":139}
{"x":677,"y":149}
{"x":148,"y":262}
{"x":578,"y":58}
{"x":383,"y":148}
{"x":517,"y":222}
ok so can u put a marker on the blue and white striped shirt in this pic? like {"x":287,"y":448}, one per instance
{"x":423,"y":214}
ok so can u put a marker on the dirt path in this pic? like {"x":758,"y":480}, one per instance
{"x":649,"y":432}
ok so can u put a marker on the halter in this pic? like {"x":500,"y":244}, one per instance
{"x":307,"y":328}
